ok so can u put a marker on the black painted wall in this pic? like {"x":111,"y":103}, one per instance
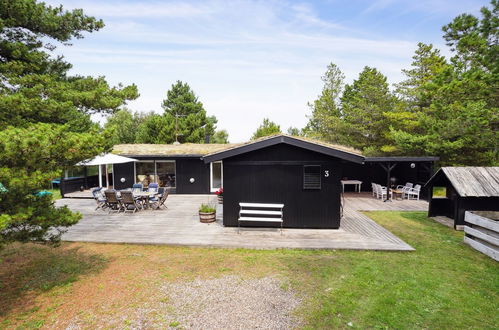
{"x":126,"y":171}
{"x":275,"y":175}
{"x":192,"y":168}
{"x":474,"y":204}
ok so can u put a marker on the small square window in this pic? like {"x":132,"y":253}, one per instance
{"x":312,"y":177}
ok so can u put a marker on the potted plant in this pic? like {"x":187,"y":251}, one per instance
{"x":220,"y":195}
{"x":207,"y":213}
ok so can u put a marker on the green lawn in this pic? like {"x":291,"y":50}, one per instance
{"x":444,"y":284}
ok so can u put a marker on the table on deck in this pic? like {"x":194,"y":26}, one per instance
{"x":145,"y":195}
{"x":397,"y":193}
{"x":356,"y":183}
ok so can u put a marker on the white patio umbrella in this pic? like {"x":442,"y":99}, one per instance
{"x":106,"y":159}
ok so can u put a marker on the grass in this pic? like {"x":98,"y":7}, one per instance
{"x":444,"y":284}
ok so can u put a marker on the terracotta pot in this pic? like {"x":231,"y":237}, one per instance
{"x":220,"y":199}
{"x":206,"y":217}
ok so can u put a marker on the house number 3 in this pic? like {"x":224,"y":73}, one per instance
{"x":326,"y":173}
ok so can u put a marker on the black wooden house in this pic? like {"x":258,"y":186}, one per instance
{"x":305,"y":176}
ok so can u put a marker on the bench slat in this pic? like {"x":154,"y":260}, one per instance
{"x":261,"y":212}
{"x":260,"y":219}
{"x":262,"y":205}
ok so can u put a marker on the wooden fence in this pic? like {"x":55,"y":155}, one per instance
{"x":482,"y":232}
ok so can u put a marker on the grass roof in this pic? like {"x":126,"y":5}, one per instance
{"x":309,"y":140}
{"x":184,"y":149}
{"x":197,"y":149}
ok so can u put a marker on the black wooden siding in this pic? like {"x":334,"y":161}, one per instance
{"x":126,"y":171}
{"x":185,"y":168}
{"x":195,"y":168}
{"x":275,"y":175}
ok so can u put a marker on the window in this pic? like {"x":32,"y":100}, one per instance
{"x":312,"y":177}
{"x":144,"y":172}
{"x":216,"y":176}
{"x":165,"y":171}
{"x":160,"y":171}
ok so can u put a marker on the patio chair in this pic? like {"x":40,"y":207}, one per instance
{"x":373,"y":188}
{"x":113,"y":202}
{"x":407,"y":186}
{"x":128,"y":202}
{"x":153,"y":188}
{"x":413,"y":193}
{"x":381,"y":192}
{"x":137,"y":187}
{"x":99,"y":198}
{"x":161,"y":201}
{"x":377,"y":190}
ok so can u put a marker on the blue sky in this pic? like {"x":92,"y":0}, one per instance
{"x":247,"y":60}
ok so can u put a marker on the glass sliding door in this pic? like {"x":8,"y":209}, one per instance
{"x":159,"y":171}
{"x":216,"y":176}
{"x":145,"y":172}
{"x":165,"y":171}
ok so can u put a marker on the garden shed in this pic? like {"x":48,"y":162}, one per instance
{"x":466,"y":189}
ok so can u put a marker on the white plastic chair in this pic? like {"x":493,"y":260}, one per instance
{"x":407,"y":186}
{"x":381,"y":192}
{"x":413,"y":193}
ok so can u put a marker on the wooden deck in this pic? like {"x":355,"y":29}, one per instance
{"x":179,"y":225}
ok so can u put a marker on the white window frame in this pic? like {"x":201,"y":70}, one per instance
{"x":221,"y":176}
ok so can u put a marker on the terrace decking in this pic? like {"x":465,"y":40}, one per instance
{"x":179,"y":225}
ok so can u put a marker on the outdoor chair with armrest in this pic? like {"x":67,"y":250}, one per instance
{"x":153,"y":188}
{"x":113,"y":202}
{"x":407,"y":186}
{"x":129,"y":202}
{"x":381,"y":192}
{"x":137,"y":187}
{"x":99,"y":198}
{"x":413,"y":193}
{"x":158,"y":202}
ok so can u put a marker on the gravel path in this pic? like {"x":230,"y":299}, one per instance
{"x":229,"y":302}
{"x":232,"y":303}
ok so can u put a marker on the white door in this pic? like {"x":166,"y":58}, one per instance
{"x":216,"y":176}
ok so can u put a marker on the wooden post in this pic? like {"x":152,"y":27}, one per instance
{"x":388,"y":167}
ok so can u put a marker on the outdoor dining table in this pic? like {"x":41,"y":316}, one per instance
{"x":356,"y":183}
{"x":145,"y":195}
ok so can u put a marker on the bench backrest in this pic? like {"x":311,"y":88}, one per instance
{"x":261,"y":205}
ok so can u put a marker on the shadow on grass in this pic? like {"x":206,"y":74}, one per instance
{"x":29,"y":270}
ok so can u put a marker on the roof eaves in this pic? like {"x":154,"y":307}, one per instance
{"x":273,"y":140}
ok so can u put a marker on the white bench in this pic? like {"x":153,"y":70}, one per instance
{"x":260,"y":212}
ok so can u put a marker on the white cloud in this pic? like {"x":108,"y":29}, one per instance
{"x":246,"y":60}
